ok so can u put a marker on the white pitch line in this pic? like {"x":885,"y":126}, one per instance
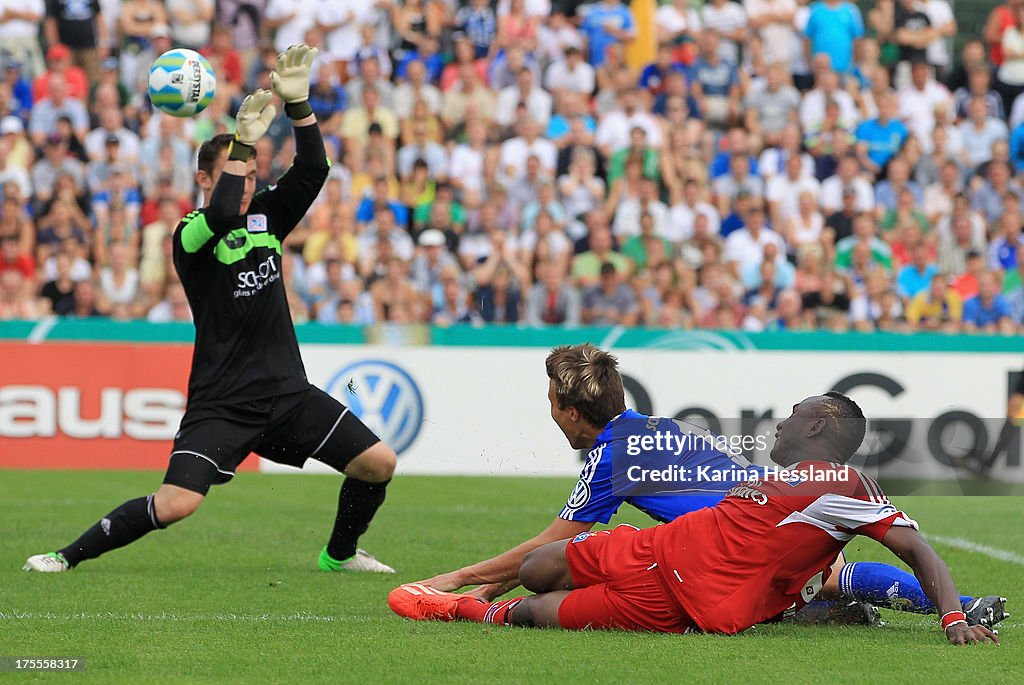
{"x":992,"y":552}
{"x":102,"y":616}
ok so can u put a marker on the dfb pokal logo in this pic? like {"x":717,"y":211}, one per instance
{"x":384,"y":397}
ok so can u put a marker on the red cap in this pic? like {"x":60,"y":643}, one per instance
{"x":58,"y":52}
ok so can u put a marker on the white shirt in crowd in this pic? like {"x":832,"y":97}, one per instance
{"x":194,"y":32}
{"x":812,"y":108}
{"x":772,"y":162}
{"x":777,"y":38}
{"x":786,"y":193}
{"x":532,"y":8}
{"x":729,"y":17}
{"x":939,"y":14}
{"x":467,"y":165}
{"x":627,"y":218}
{"x":741,"y":247}
{"x":917,"y":107}
{"x":581,"y":79}
{"x":552,"y":43}
{"x":119,"y":294}
{"x":96,"y":141}
{"x":681,"y":217}
{"x":538,"y":106}
{"x":406,"y":95}
{"x":80,"y":269}
{"x":671,"y":19}
{"x":1012,"y":70}
{"x":807,"y":232}
{"x":111,"y":11}
{"x":434,"y":154}
{"x":343,"y":42}
{"x":293,"y":32}
{"x":613,"y":130}
{"x":832,"y":194}
{"x":557,"y":241}
{"x":515,"y":152}
{"x":19,"y":177}
{"x":20,"y":29}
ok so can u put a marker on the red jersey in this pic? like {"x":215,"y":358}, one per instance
{"x":22,"y":262}
{"x":230,"y":64}
{"x":76,"y":79}
{"x":1004,"y":20}
{"x":769,"y":545}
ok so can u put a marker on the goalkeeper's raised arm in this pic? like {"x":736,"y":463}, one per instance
{"x":290,"y":82}
{"x":233,"y":184}
{"x":295,"y":191}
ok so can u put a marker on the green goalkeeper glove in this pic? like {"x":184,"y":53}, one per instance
{"x":290,"y":79}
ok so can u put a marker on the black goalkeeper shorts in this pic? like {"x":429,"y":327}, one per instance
{"x":289,"y":429}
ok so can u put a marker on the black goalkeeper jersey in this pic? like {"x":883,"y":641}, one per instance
{"x":230,"y":266}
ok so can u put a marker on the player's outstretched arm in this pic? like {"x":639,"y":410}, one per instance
{"x":290,"y":81}
{"x":937,"y":583}
{"x":501,"y":573}
{"x":296,"y":190}
{"x":251,"y":123}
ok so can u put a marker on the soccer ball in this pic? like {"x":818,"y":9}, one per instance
{"x":181,"y":83}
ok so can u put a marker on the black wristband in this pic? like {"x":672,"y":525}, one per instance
{"x":239,"y":151}
{"x":298,"y":110}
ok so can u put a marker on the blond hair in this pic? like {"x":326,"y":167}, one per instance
{"x":588,"y":379}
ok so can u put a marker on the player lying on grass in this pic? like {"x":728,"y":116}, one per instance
{"x":588,"y":404}
{"x":761,"y":553}
{"x":247,"y":390}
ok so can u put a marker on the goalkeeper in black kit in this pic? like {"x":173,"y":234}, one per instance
{"x":247,"y":389}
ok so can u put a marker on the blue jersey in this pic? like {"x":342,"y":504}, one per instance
{"x":833,"y":30}
{"x":605,"y":484}
{"x":595,"y":26}
{"x":883,"y":142}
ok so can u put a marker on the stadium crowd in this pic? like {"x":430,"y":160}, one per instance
{"x":770,"y":165}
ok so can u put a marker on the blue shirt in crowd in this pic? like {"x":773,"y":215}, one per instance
{"x":883,"y":140}
{"x":598,"y":38}
{"x":833,"y":30}
{"x":977,"y":313}
{"x":911,"y":281}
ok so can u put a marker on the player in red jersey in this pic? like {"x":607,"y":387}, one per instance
{"x":762,"y":553}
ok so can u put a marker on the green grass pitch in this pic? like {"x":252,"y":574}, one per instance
{"x":232,"y":595}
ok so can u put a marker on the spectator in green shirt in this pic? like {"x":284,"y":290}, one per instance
{"x":1013,"y":279}
{"x":863,"y":232}
{"x":445,"y":194}
{"x":638,"y":147}
{"x":905,"y":210}
{"x":586,"y":266}
{"x":646,"y":249}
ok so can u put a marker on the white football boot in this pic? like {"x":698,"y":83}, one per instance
{"x":51,"y":562}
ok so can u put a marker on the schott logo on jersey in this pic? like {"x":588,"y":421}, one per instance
{"x":251,"y":282}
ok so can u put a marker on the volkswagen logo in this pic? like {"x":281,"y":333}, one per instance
{"x":384,"y":397}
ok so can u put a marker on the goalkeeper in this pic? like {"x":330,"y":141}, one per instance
{"x":247,"y":389}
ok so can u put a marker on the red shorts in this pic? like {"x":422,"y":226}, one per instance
{"x":618,"y":585}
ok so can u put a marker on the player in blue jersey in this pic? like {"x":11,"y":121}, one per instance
{"x":587,"y":401}
{"x":695,"y":469}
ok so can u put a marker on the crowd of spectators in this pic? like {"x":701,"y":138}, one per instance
{"x":768,"y":165}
